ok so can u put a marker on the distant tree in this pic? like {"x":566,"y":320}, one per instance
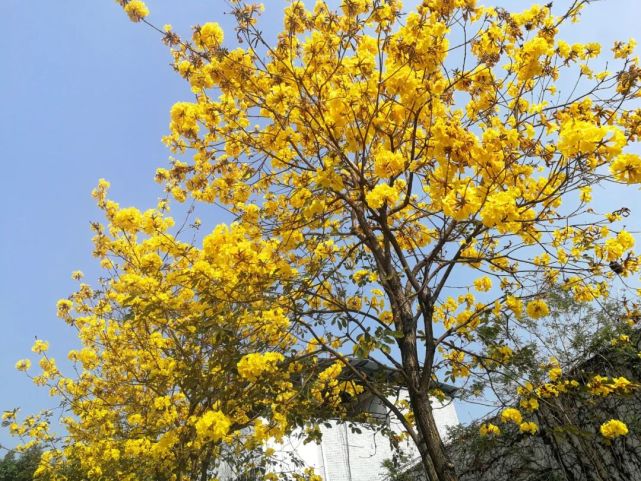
{"x":20,"y":467}
{"x":596,"y":345}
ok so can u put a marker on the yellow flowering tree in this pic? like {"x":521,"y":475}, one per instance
{"x":393,"y":156}
{"x":187,"y":363}
{"x":411,"y":151}
{"x":568,"y":397}
{"x":398,"y":178}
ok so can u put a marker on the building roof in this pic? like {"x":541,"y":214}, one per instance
{"x":378,"y":369}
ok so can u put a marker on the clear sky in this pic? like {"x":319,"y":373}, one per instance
{"x":86,"y":94}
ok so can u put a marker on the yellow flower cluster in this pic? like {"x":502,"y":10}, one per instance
{"x":530,"y":404}
{"x":528,"y":427}
{"x":537,"y":309}
{"x":136,"y":10}
{"x":579,"y":137}
{"x":388,"y":164}
{"x":613,"y":429}
{"x":603,"y":386}
{"x":23,"y":364}
{"x":615,"y":247}
{"x":382,"y":194}
{"x":461,"y":203}
{"x":627,"y":168}
{"x":483,"y":284}
{"x":489,"y":429}
{"x":328,"y":390}
{"x":621,"y":340}
{"x":511,"y":415}
{"x":64,"y":307}
{"x":209,"y":36}
{"x":457,"y":364}
{"x":253,"y":366}
{"x":212,"y":426}
{"x":40,"y":346}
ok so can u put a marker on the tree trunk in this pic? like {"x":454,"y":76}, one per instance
{"x":436,"y":462}
{"x":434,"y":458}
{"x":433,"y":455}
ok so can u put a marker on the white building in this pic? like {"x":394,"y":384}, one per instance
{"x":344,"y":455}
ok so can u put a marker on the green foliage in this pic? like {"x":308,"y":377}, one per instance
{"x":399,"y":468}
{"x":572,"y":333}
{"x":20,"y":467}
{"x":587,"y":340}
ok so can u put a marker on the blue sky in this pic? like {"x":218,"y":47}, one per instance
{"x":86,"y":94}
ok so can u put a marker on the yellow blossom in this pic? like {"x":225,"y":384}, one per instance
{"x":77,"y":275}
{"x":209,"y":36}
{"x":627,"y":168}
{"x":511,"y":415}
{"x":381,"y":194}
{"x":528,"y":427}
{"x":613,"y":429}
{"x":555,"y":373}
{"x":253,"y":366}
{"x":537,"y":308}
{"x":488,"y":429}
{"x":586,"y":194}
{"x":388,"y":164}
{"x":23,"y":364}
{"x":63,"y":306}
{"x":40,"y":346}
{"x":212,"y":425}
{"x":137,"y":10}
{"x":530,"y":404}
{"x":483,"y":284}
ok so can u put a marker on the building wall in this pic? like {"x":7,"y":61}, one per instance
{"x":561,"y":451}
{"x":343,"y":455}
{"x":568,"y":446}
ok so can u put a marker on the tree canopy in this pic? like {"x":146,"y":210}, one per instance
{"x":20,"y":467}
{"x":399,"y":179}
